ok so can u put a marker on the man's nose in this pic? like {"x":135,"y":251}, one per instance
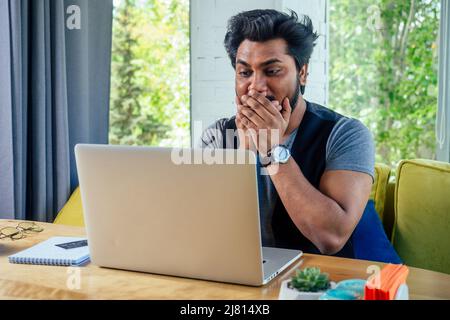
{"x":258,"y":84}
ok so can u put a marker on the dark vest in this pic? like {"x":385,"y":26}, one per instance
{"x":308,"y":151}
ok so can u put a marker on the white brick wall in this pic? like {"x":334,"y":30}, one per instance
{"x":212,"y":77}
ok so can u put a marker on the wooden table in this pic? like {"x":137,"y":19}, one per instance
{"x":19,"y":281}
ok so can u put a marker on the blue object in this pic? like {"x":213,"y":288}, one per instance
{"x":339,"y":294}
{"x":369,"y":239}
{"x":356,"y":285}
{"x":352,"y":289}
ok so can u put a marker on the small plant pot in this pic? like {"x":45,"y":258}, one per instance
{"x":287,"y":293}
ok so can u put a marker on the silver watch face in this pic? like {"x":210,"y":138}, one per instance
{"x":280,"y":154}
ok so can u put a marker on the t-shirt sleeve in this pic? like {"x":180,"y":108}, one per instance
{"x":212,"y":136}
{"x":350,"y":146}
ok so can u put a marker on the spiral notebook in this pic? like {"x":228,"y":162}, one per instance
{"x":57,"y":251}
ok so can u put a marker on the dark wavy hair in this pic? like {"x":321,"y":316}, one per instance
{"x":264,"y":25}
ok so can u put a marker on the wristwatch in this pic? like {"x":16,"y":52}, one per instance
{"x":278,"y":154}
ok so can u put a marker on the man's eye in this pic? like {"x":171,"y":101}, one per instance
{"x":272,"y":72}
{"x":245,"y":73}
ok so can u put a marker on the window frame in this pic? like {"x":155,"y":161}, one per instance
{"x":442,"y":116}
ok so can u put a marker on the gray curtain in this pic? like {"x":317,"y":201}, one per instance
{"x":54,"y":93}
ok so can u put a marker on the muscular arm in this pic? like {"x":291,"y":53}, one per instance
{"x":328,"y":216}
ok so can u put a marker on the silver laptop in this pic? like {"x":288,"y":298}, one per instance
{"x":169,"y":211}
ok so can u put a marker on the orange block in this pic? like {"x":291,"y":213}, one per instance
{"x":384,"y":285}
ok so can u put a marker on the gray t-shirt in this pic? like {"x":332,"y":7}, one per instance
{"x":349,"y":147}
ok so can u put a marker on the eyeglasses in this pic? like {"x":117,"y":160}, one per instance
{"x":20,"y":231}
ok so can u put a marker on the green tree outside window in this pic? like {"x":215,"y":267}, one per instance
{"x":150,"y":73}
{"x":383,"y":71}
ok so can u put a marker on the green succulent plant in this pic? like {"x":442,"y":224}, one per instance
{"x":310,"y":280}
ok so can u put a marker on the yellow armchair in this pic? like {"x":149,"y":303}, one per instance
{"x":422,"y":214}
{"x":379,"y":188}
{"x":72,"y":212}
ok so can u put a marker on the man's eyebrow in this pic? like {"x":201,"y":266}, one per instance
{"x":271,"y":61}
{"x":264,"y":64}
{"x":240,"y":61}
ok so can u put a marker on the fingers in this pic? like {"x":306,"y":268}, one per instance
{"x":244,"y":121}
{"x":244,"y":124}
{"x":286,"y":111}
{"x":241,"y":120}
{"x":259,"y":110}
{"x":260,"y":103}
{"x":239,"y":123}
{"x":248,"y":117}
{"x":237,"y":100}
{"x":247,"y":132}
{"x":256,"y":111}
{"x":253,"y":116}
{"x":271,"y":106}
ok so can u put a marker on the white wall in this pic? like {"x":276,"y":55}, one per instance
{"x":212,"y":77}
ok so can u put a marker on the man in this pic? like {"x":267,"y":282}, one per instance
{"x":324,"y":161}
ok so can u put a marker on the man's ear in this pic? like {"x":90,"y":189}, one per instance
{"x":303,"y":75}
